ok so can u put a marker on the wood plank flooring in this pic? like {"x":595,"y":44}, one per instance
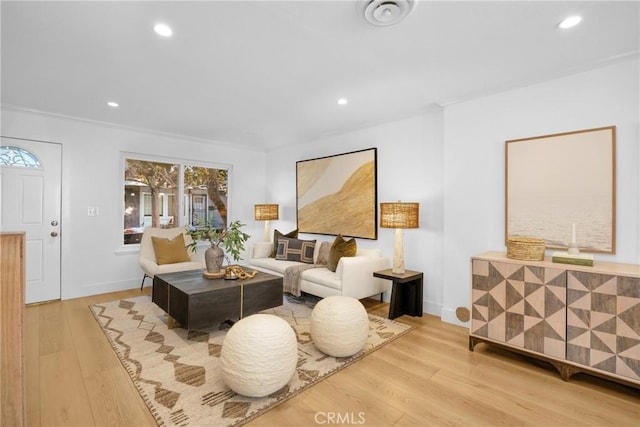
{"x":425,"y":378}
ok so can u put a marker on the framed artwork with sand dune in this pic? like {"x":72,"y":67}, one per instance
{"x":338,"y":194}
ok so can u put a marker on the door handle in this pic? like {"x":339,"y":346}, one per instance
{"x":54,"y":234}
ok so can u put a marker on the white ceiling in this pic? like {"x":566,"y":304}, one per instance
{"x":263,"y":74}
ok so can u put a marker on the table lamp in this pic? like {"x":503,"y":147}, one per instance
{"x":266,"y":212}
{"x":399,"y":215}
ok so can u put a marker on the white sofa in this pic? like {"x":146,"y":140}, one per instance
{"x":353,"y":276}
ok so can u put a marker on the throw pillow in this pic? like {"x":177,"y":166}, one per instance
{"x":277,"y":235}
{"x":323,"y":253}
{"x":296,"y":250}
{"x":170,"y":251}
{"x":339,"y":249}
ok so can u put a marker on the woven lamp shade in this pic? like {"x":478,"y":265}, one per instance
{"x":266,"y":212}
{"x":399,"y":215}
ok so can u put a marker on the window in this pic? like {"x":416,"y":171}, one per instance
{"x":153,"y":191}
{"x":16,"y":156}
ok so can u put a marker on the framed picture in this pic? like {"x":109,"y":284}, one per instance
{"x":338,"y":194}
{"x":561,"y":188}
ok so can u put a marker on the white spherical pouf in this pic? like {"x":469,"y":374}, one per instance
{"x":339,"y":326}
{"x":259,"y":355}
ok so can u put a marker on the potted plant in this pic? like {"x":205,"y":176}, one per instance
{"x":225,"y":242}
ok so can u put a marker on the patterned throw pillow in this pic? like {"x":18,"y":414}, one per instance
{"x":277,"y":235}
{"x":296,"y":250}
{"x":170,"y":251}
{"x":339,"y":249}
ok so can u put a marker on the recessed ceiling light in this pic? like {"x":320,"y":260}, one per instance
{"x":113,"y":104}
{"x":569,"y":22}
{"x":342,"y":101}
{"x":163,"y":30}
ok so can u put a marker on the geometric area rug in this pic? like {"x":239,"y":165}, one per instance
{"x":178,"y":374}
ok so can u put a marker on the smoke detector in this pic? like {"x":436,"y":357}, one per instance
{"x":384,"y":13}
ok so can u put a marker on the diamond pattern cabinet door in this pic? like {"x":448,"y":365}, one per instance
{"x":520,"y":305}
{"x":603,"y":322}
{"x":479,"y":298}
{"x":542,"y":311}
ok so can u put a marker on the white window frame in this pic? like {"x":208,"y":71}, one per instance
{"x":182,"y":215}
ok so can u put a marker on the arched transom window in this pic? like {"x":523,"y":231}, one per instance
{"x":16,"y":156}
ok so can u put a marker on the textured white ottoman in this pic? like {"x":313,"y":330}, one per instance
{"x":259,"y":355}
{"x":339,"y":326}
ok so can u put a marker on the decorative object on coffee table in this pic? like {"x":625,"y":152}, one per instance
{"x":214,"y":259}
{"x":231,"y":240}
{"x":236,"y":272}
{"x":339,"y":326}
{"x":259,"y":355}
{"x":217,"y":275}
{"x":266,"y":213}
{"x":399,"y":215}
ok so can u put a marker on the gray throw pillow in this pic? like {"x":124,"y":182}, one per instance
{"x":277,"y":235}
{"x":295,"y":250}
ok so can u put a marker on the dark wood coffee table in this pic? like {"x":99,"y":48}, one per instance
{"x":195,"y":302}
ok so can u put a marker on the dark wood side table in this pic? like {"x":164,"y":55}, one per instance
{"x":406,"y":294}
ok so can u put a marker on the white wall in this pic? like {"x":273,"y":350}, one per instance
{"x":450,"y":161}
{"x":410,"y":168}
{"x":93,"y":261}
{"x":475,"y":134}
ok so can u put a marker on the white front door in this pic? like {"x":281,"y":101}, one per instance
{"x":30,"y":201}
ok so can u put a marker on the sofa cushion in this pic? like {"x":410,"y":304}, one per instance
{"x":322,"y":276}
{"x":170,"y":251}
{"x":295,"y":250}
{"x":273,"y":265}
{"x":261,"y":250}
{"x":340,"y":248}
{"x":277,"y":235}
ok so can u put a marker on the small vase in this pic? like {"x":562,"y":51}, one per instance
{"x":213,"y":259}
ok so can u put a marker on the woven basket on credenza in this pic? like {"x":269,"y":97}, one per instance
{"x":525,"y":248}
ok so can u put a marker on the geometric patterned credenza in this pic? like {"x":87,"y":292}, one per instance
{"x":578,"y":318}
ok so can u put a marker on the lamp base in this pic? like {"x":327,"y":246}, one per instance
{"x":267,"y":234}
{"x":398,"y":254}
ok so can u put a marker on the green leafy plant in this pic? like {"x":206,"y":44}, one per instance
{"x":231,"y":239}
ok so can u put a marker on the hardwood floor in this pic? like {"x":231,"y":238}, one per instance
{"x":427,"y":377}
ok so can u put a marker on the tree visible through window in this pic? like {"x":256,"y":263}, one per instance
{"x":153,"y":192}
